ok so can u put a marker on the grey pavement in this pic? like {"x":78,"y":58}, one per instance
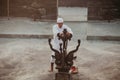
{"x":29,"y":59}
{"x":81,"y":30}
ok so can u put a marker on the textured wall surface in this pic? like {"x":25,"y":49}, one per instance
{"x":27,"y":8}
{"x":3,"y":8}
{"x":97,"y":9}
{"x":73,"y":13}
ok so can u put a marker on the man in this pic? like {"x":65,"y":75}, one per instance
{"x":58,"y":32}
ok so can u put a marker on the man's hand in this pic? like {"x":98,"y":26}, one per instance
{"x":62,"y":35}
{"x":68,"y":34}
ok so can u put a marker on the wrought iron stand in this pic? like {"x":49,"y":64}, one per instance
{"x":64,"y":60}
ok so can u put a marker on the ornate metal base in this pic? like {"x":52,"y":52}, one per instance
{"x":63,"y":76}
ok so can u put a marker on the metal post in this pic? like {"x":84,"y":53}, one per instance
{"x":57,"y":8}
{"x":8,"y":12}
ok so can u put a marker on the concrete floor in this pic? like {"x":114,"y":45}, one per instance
{"x":29,"y":59}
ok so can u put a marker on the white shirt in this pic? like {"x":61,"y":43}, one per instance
{"x":57,"y":30}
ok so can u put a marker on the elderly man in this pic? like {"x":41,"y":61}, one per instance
{"x":58,"y":32}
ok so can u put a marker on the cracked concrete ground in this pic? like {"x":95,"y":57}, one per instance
{"x":29,"y":59}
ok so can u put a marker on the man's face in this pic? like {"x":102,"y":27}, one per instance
{"x":60,"y":25}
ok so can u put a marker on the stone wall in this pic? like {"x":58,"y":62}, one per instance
{"x":97,"y":9}
{"x":47,"y":9}
{"x":73,"y":3}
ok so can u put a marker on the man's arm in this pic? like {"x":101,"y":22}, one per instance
{"x":55,"y":30}
{"x":69,"y":32}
